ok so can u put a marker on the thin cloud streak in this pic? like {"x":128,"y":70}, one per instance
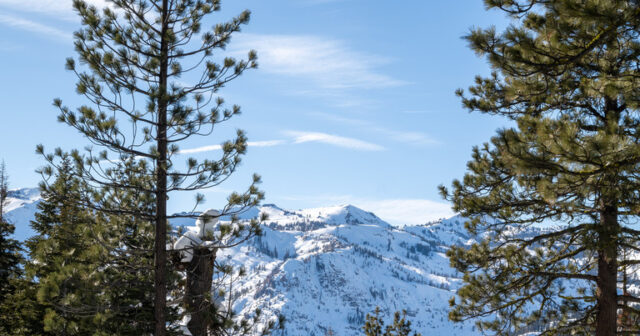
{"x":329,"y":63}
{"x":34,"y":27}
{"x":298,"y":137}
{"x":210,"y":148}
{"x":335,"y":140}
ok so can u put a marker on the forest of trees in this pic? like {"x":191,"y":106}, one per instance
{"x":565,"y":73}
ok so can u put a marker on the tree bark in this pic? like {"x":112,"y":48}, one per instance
{"x":606,"y":293}
{"x":3,"y":189}
{"x":198,"y":291}
{"x":160,"y":281}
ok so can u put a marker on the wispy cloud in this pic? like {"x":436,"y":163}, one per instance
{"x":35,"y":27}
{"x":298,"y":137}
{"x":331,"y":139}
{"x":268,"y":143}
{"x":410,"y":137}
{"x":329,"y":63}
{"x":60,"y":9}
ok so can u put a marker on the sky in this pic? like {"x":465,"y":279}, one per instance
{"x":352,"y":103}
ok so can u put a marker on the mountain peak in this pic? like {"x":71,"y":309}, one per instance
{"x":344,"y":214}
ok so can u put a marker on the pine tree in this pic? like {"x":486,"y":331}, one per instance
{"x":374,"y":325}
{"x":95,"y":270}
{"x":401,"y":326}
{"x":10,"y":249}
{"x":21,"y":314}
{"x":10,"y":260}
{"x":64,"y":259}
{"x":566,"y":73}
{"x":138,"y":50}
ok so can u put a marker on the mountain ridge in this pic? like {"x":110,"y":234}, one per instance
{"x":326,"y":268}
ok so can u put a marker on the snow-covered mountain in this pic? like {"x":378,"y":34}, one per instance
{"x":22,"y":204}
{"x":328,"y":267}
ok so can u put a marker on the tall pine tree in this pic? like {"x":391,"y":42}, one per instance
{"x":11,"y":273}
{"x":64,"y":259}
{"x":10,"y":248}
{"x":137,"y":53}
{"x":94,"y":270}
{"x":567,"y":73}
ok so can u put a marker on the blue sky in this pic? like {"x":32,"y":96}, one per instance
{"x":353,"y":101}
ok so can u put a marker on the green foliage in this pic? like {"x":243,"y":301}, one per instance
{"x":94,"y":270}
{"x":374,"y":325}
{"x":566,"y":73}
{"x":128,"y":278}
{"x":10,"y":258}
{"x":64,"y":258}
{"x":20,"y":313}
{"x":133,"y":58}
{"x":11,"y":280}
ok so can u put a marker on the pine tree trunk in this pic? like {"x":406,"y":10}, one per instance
{"x":198,"y":291}
{"x":606,"y":294}
{"x":160,"y":301}
{"x":3,"y":189}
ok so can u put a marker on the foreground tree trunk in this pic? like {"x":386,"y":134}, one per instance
{"x":161,"y":184}
{"x":198,"y":291}
{"x":606,"y":293}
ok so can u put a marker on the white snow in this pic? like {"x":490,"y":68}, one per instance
{"x":326,"y":267}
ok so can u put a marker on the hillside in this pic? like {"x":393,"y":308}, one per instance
{"x":328,"y":267}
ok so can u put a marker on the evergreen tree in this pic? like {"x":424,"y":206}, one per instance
{"x":21,"y":314}
{"x":95,"y":270}
{"x":64,"y":259}
{"x":128,"y":263}
{"x":138,"y":50}
{"x":10,"y":260}
{"x":566,"y":73}
{"x":374,"y":325}
{"x":10,"y":249}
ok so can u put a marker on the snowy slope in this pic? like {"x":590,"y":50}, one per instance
{"x":20,"y":209}
{"x":329,"y":267}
